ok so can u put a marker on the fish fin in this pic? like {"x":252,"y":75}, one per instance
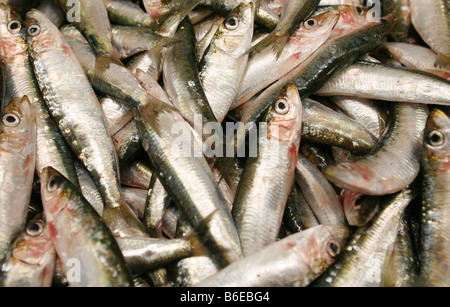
{"x":102,"y":62}
{"x":198,"y":248}
{"x":123,"y":222}
{"x":184,"y":7}
{"x":442,"y":61}
{"x":274,"y":42}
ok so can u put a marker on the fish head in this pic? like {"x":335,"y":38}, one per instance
{"x":352,"y":19}
{"x":12,"y":33}
{"x":359,"y":209}
{"x":41,"y":32}
{"x":235,"y":34}
{"x":315,"y":30}
{"x":324,"y":244}
{"x":348,"y":175}
{"x":18,"y":121}
{"x":437,"y":141}
{"x":334,"y":240}
{"x":157,"y":9}
{"x":56,"y":193}
{"x":34,"y":247}
{"x":285,"y":117}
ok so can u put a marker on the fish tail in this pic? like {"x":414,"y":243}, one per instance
{"x":275,"y":42}
{"x":184,"y":7}
{"x":442,"y":61}
{"x":122,"y":221}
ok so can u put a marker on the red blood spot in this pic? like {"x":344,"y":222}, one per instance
{"x":52,"y":230}
{"x":66,"y":49}
{"x":365,"y":171}
{"x":445,"y":167}
{"x":446,"y":75}
{"x":346,"y":17}
{"x":154,"y":14}
{"x":291,"y":244}
{"x":28,"y":161}
{"x":293,"y":152}
{"x":297,"y":56}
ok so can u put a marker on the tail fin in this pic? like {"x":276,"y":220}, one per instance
{"x":442,"y":61}
{"x":123,"y":222}
{"x":184,"y":7}
{"x":272,"y":41}
{"x":164,"y":42}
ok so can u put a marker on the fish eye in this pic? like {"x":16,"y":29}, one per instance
{"x":14,"y":26}
{"x":310,"y":23}
{"x":435,"y":138}
{"x":359,"y":10}
{"x":34,"y":229}
{"x":232,"y":23}
{"x":54,"y":183}
{"x":333,"y":248}
{"x":345,"y":166}
{"x":34,"y":30}
{"x":282,"y":107}
{"x":11,"y":120}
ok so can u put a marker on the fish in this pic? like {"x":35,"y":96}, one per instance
{"x":400,"y":84}
{"x":53,"y":11}
{"x":298,"y":215}
{"x":370,"y":245}
{"x":67,"y":92}
{"x":222,"y":68}
{"x":182,"y":81}
{"x":17,"y":168}
{"x":294,"y":261}
{"x":145,"y":254}
{"x":32,"y":258}
{"x":258,"y":212}
{"x":294,"y":12}
{"x":128,"y":13}
{"x":430,"y":19}
{"x":113,"y":79}
{"x":130,"y":41}
{"x":135,"y":198}
{"x":359,"y":209}
{"x":91,"y":19}
{"x":51,"y":147}
{"x":434,"y":270}
{"x":310,"y":75}
{"x":415,"y":56}
{"x":402,"y":265}
{"x":264,"y":68}
{"x":264,"y":18}
{"x":394,"y":163}
{"x":319,"y":194}
{"x":100,"y":262}
{"x":155,"y":206}
{"x":204,"y":206}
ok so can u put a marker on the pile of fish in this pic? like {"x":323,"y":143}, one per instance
{"x":118,"y":167}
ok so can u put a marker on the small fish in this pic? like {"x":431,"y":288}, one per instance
{"x":100,"y":261}
{"x":222,"y":68}
{"x":362,"y":260}
{"x":258,"y":212}
{"x":68,"y":92}
{"x":17,"y":167}
{"x":294,"y":12}
{"x":431,"y":19}
{"x":91,"y":18}
{"x":394,"y":163}
{"x":294,"y":261}
{"x":434,"y":244}
{"x":32,"y":258}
